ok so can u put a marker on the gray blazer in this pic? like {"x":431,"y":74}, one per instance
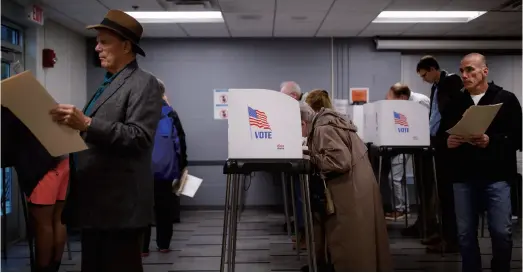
{"x":113,"y":184}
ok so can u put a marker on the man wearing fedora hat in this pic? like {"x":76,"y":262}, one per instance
{"x":111,"y":192}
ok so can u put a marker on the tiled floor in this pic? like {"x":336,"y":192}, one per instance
{"x":262,"y":246}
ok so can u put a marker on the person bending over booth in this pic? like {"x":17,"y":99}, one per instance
{"x":44,"y":180}
{"x":400,"y":91}
{"x":350,"y":210}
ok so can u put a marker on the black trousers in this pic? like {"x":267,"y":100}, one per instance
{"x":164,"y":213}
{"x":111,"y":250}
{"x":446,"y":202}
{"x":424,"y":182}
{"x":176,"y":208}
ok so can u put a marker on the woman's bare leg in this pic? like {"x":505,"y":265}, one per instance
{"x":44,"y":236}
{"x":60,"y":234}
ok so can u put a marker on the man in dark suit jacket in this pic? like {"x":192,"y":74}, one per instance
{"x":111,"y":195}
{"x":446,"y":88}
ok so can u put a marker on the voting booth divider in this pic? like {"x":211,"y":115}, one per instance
{"x":264,"y":134}
{"x":357,"y":115}
{"x":398,"y":123}
{"x":400,"y":128}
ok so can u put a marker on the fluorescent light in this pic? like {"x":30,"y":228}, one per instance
{"x":164,"y":17}
{"x":427,"y":16}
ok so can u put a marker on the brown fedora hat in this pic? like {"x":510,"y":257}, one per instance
{"x":124,"y":25}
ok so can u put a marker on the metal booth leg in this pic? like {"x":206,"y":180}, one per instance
{"x":405,"y":192}
{"x":69,"y":252}
{"x":419,"y":195}
{"x":483,"y":224}
{"x":233,"y":223}
{"x":286,"y":205}
{"x":4,"y":213}
{"x":392,"y":189}
{"x":438,"y":201}
{"x":309,"y":228}
{"x":242,"y":192}
{"x":379,"y":169}
{"x":28,"y":231}
{"x":294,"y":212}
{"x":225,"y":222}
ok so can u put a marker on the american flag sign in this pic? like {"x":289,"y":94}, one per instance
{"x":400,"y":119}
{"x":258,"y":118}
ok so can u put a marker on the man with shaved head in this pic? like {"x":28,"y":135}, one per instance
{"x":482,"y":166}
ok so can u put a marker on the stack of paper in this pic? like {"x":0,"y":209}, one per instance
{"x":475,"y":120}
{"x":31,"y":103}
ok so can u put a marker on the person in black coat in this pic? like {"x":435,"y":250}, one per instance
{"x":481,"y":167}
{"x":44,"y":180}
{"x":446,"y":87}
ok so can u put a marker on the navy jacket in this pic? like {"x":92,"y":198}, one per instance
{"x":181,"y":136}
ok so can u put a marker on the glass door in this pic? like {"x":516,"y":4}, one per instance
{"x":13,"y":224}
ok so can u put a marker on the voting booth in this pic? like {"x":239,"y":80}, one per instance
{"x":264,"y":134}
{"x":263,"y":124}
{"x":398,"y":123}
{"x":356,"y":114}
{"x":369,"y":122}
{"x":400,"y":128}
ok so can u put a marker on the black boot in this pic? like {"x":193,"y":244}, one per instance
{"x":49,"y":268}
{"x":56,"y":266}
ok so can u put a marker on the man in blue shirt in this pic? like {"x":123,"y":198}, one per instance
{"x":446,"y":87}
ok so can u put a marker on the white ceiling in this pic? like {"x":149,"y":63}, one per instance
{"x":298,"y":18}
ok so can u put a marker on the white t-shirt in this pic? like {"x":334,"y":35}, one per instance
{"x":420,"y":98}
{"x":476,"y":98}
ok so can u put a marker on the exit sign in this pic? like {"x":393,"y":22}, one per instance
{"x":36,"y":14}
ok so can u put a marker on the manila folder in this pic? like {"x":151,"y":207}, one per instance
{"x":475,"y":120}
{"x":31,"y":103}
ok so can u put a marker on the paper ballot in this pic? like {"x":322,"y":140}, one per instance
{"x":475,"y":120}
{"x":191,"y":186}
{"x":31,"y":103}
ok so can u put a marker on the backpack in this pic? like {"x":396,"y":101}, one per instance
{"x":166,"y":151}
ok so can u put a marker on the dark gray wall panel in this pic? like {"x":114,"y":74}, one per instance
{"x":192,"y":69}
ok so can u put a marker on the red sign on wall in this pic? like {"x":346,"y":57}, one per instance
{"x":37,"y":15}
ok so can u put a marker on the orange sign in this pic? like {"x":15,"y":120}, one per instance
{"x":359,"y":95}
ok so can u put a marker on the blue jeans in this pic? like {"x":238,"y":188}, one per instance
{"x":471,"y":199}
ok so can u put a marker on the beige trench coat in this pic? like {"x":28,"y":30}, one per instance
{"x":356,"y":234}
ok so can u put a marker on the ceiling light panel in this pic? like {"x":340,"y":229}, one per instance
{"x":166,"y":17}
{"x":427,"y":16}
